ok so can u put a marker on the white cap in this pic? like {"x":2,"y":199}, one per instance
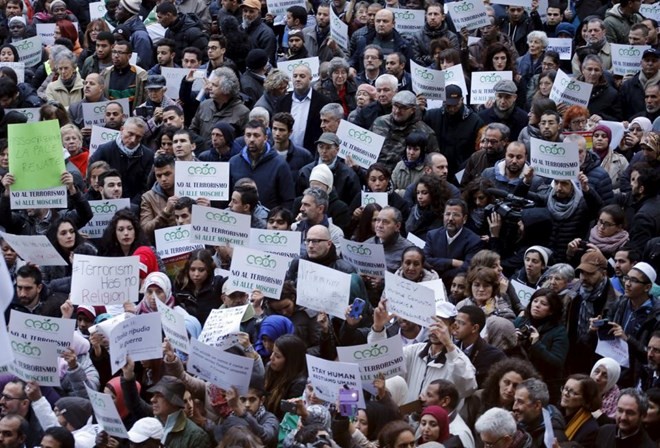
{"x":647,"y":270}
{"x":146,"y":428}
{"x":445,"y":310}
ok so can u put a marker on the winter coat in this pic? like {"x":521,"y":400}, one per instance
{"x":262,"y":36}
{"x":614,"y":164}
{"x":140,"y":41}
{"x":209,"y":113}
{"x":393,"y":250}
{"x":518,"y":32}
{"x":603,"y":101}
{"x":337,"y":210}
{"x":187,"y":31}
{"x":426,"y":221}
{"x":252,"y":85}
{"x":402,"y":176}
{"x":496,"y":174}
{"x":152,"y":212}
{"x":525,"y":136}
{"x":646,"y":224}
{"x":399,"y":44}
{"x":599,"y":180}
{"x":617,"y":26}
{"x":320,"y":49}
{"x":74,"y":381}
{"x":421,"y":42}
{"x":609,"y":437}
{"x":140,"y":81}
{"x":55,"y":91}
{"x":365,"y":116}
{"x":27,"y":97}
{"x":346,"y":182}
{"x":631,"y":97}
{"x":328,"y":89}
{"x":516,"y":122}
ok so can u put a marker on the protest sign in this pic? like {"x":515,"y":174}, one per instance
{"x":483,"y":85}
{"x":438,"y":288}
{"x":384,"y":357}
{"x":277,"y":7}
{"x":31,"y":113}
{"x":6,"y":286}
{"x":362,"y":145}
{"x":455,"y":75}
{"x":279,"y":242}
{"x":29,"y":50}
{"x":367,"y":258}
{"x":626,"y":59}
{"x":289,"y":66}
{"x":409,"y":300}
{"x":650,"y":11}
{"x":46,"y":31}
{"x":523,"y":3}
{"x":219,"y":367}
{"x":617,"y":349}
{"x":254,"y":269}
{"x":555,"y":160}
{"x":469,"y":13}
{"x":523,"y":292}
{"x":570,"y":91}
{"x":94,"y":113}
{"x":175,"y":240}
{"x":104,"y":280}
{"x":373,"y":198}
{"x":138,"y":337}
{"x":427,"y":82}
{"x":563,"y":46}
{"x":408,"y":20}
{"x":323,"y":289}
{"x":35,"y":249}
{"x":328,"y":377}
{"x":417,"y":241}
{"x":103,"y":213}
{"x":173,"y":322}
{"x":18,"y":67}
{"x":208,"y":180}
{"x":106,"y":413}
{"x":42,"y":198}
{"x":219,"y":227}
{"x":338,"y":30}
{"x":97,"y":10}
{"x":220,"y":323}
{"x":100,"y":136}
{"x":34,"y":361}
{"x":50,"y":333}
{"x":618,"y":132}
{"x":173,"y":77}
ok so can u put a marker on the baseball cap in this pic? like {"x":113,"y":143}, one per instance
{"x":329,"y":138}
{"x":453,"y":95}
{"x":145,"y":428}
{"x":155,"y":82}
{"x":252,"y":4}
{"x":653,"y":52}
{"x":592,"y":261}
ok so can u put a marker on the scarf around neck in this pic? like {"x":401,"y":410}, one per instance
{"x":608,"y":244}
{"x":562,"y":210}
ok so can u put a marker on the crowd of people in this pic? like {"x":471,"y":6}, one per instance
{"x":538,"y":274}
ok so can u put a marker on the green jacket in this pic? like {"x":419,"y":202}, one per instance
{"x":186,"y":434}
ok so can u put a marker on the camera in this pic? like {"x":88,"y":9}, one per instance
{"x":510,"y":208}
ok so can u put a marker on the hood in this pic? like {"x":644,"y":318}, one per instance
{"x":268,"y":154}
{"x":615,"y":12}
{"x":159,"y":190}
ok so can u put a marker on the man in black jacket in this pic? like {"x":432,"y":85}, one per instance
{"x":629,"y":429}
{"x":184,"y":29}
{"x":530,"y":400}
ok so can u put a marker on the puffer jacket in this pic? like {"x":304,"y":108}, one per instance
{"x":140,"y":41}
{"x":599,"y":179}
{"x":421,"y":42}
{"x":187,"y":31}
{"x":631,"y":97}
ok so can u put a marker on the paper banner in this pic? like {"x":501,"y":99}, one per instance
{"x":254,"y":269}
{"x":469,"y":13}
{"x":373,"y":198}
{"x":208,"y":180}
{"x":483,"y":85}
{"x":408,"y":20}
{"x":277,"y":7}
{"x":104,"y":280}
{"x":18,"y":67}
{"x":221,"y":323}
{"x":138,"y":337}
{"x":100,"y":136}
{"x":175,"y":240}
{"x":323,"y":289}
{"x":173,"y":321}
{"x":50,"y":333}
{"x":626,"y":59}
{"x":338,"y":30}
{"x":94,"y":113}
{"x":106,"y":413}
{"x":570,"y":91}
{"x":29,"y":50}
{"x":523,"y":292}
{"x":427,"y":82}
{"x":555,"y":160}
{"x":562,"y":46}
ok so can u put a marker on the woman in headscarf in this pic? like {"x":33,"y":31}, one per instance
{"x":77,"y":369}
{"x":606,"y":373}
{"x":632,"y":137}
{"x":272,"y":327}
{"x":157,"y":286}
{"x":612,"y":162}
{"x":113,"y":388}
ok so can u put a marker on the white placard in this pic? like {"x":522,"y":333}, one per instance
{"x":278,"y":242}
{"x":459,"y":175}
{"x":570,"y":91}
{"x":523,"y":292}
{"x":175,"y":240}
{"x":523,"y":3}
{"x":408,"y":20}
{"x":384,"y":357}
{"x":554,"y":160}
{"x":220,"y":367}
{"x":328,"y":377}
{"x":6,"y":287}
{"x":617,"y":349}
{"x":277,"y":7}
{"x":323,"y":289}
{"x":220,"y":323}
{"x":650,"y":11}
{"x":427,"y":82}
{"x":618,"y":131}
{"x":46,"y":31}
{"x":455,"y":75}
{"x":472,"y":39}
{"x":35,"y":249}
{"x":138,"y":337}
{"x":104,"y":280}
{"x":29,"y":50}
{"x":100,"y":136}
{"x":289,"y":66}
{"x":47,"y":198}
{"x":254,"y":269}
{"x":438,"y":287}
{"x":96,"y":11}
{"x":50,"y":333}
{"x":483,"y":85}
{"x":469,"y":13}
{"x":367,"y":258}
{"x":417,"y":241}
{"x":94,"y":113}
{"x":627,"y":59}
{"x":18,"y":67}
{"x":361,"y":144}
{"x":369,"y":197}
{"x":106,"y":412}
{"x":5,"y":346}
{"x":217,"y":227}
{"x":173,"y":321}
{"x":409,"y":300}
{"x":338,"y":30}
{"x":34,"y":361}
{"x":103,"y":210}
{"x":208,"y":180}
{"x":31,"y":113}
{"x":173,"y":77}
{"x":561,"y":45}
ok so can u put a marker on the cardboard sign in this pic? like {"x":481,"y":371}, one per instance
{"x":469,"y":13}
{"x":362,"y":145}
{"x":208,"y":180}
{"x":368,"y":259}
{"x":627,"y":59}
{"x":483,"y":85}
{"x":217,"y":227}
{"x":173,"y":321}
{"x":49,"y":332}
{"x":338,"y":30}
{"x":408,"y":20}
{"x":138,"y":337}
{"x":561,"y":45}
{"x":219,"y":367}
{"x":328,"y":377}
{"x":175,"y":240}
{"x":409,"y":300}
{"x":523,"y":292}
{"x":100,"y":136}
{"x":106,"y":413}
{"x":278,"y":242}
{"x":254,"y":269}
{"x":29,"y":51}
{"x":35,"y":249}
{"x":323,"y":289}
{"x":570,"y":91}
{"x":94,"y":113}
{"x":221,"y":323}
{"x":373,"y":198}
{"x":18,"y":67}
{"x":103,"y":212}
{"x":427,"y":82}
{"x":104,"y":280}
{"x":31,"y":113}
{"x":555,"y":160}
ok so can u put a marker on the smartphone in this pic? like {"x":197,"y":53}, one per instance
{"x":603,"y":326}
{"x":348,"y":402}
{"x":288,"y":406}
{"x":357,"y":308}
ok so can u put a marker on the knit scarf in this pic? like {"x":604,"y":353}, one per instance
{"x":608,"y":244}
{"x":579,"y":419}
{"x":598,"y":45}
{"x":129,"y":152}
{"x":68,"y":84}
{"x":648,"y":81}
{"x":587,"y":306}
{"x":563,"y":210}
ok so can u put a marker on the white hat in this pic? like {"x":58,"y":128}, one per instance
{"x":647,"y":270}
{"x":145,"y":428}
{"x":445,"y":310}
{"x":544,"y":251}
{"x":322,"y":173}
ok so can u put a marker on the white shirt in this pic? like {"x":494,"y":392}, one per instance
{"x":300,"y":112}
{"x":450,"y":239}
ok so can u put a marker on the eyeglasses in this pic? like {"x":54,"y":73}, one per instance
{"x":120,"y":52}
{"x":633,"y":280}
{"x":490,"y":141}
{"x":605,"y":224}
{"x":493,"y":444}
{"x":314,"y":242}
{"x":9,"y":397}
{"x":570,"y":392}
{"x":579,"y":121}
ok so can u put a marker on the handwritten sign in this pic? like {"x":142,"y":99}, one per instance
{"x":338,"y":30}
{"x":104,"y":280}
{"x":555,"y":160}
{"x":362,"y":145}
{"x":254,"y":269}
{"x":373,"y":198}
{"x":29,"y":51}
{"x":570,"y":91}
{"x":323,"y":289}
{"x":368,"y":258}
{"x":221,"y":323}
{"x":483,"y":85}
{"x":173,"y":321}
{"x":94,"y":113}
{"x":328,"y":377}
{"x":49,"y":332}
{"x":384,"y":357}
{"x":18,"y":67}
{"x":289,"y":66}
{"x":46,"y":31}
{"x":617,"y":349}
{"x":469,"y":13}
{"x":438,"y":288}
{"x":208,"y":180}
{"x":103,"y":213}
{"x":277,"y":7}
{"x":175,"y":240}
{"x":100,"y":136}
{"x":409,"y":300}
{"x":106,"y":413}
{"x":408,"y":20}
{"x":278,"y":242}
{"x":35,"y":249}
{"x":219,"y":227}
{"x":427,"y":82}
{"x":523,"y":292}
{"x":138,"y":337}
{"x":563,"y":46}
{"x":219,"y":367}
{"x":626,"y":59}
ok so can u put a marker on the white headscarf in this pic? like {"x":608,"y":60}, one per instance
{"x":613,"y":372}
{"x":398,"y":388}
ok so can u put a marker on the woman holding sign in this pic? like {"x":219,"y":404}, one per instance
{"x":65,"y":238}
{"x":286,"y":373}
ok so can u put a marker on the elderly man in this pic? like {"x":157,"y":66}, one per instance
{"x":260,"y":35}
{"x":497,"y":429}
{"x":396,"y":126}
{"x":628,"y":431}
{"x":530,"y":399}
{"x":596,"y":41}
{"x":331,"y":115}
{"x":494,"y":141}
{"x":313,"y":212}
{"x":386,"y":88}
{"x":388,"y":233}
{"x":631,"y":94}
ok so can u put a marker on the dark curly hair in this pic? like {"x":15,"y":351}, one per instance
{"x":110,"y":246}
{"x":491,"y":393}
{"x":438,"y":190}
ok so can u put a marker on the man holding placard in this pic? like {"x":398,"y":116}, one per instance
{"x":94,"y":92}
{"x":434,"y":28}
{"x":388,"y":227}
{"x":157,"y":205}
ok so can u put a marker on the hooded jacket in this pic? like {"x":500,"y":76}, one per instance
{"x":152,"y":211}
{"x":617,"y":25}
{"x":186,"y":31}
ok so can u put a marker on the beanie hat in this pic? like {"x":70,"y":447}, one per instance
{"x":57,"y":2}
{"x":544,"y":251}
{"x":132,"y":6}
{"x":17,"y":19}
{"x":227,"y":131}
{"x":148,"y":260}
{"x":75,"y":410}
{"x":566,"y":28}
{"x":322,"y":173}
{"x":371,"y":90}
{"x":647,"y":270}
{"x":256,"y":59}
